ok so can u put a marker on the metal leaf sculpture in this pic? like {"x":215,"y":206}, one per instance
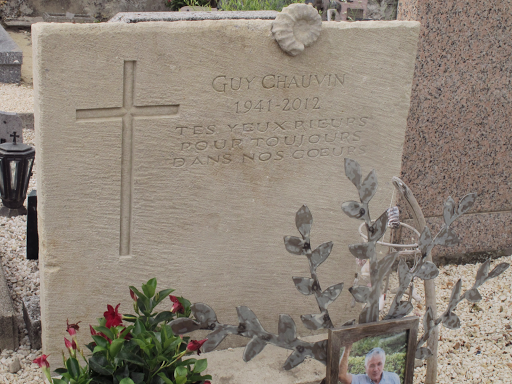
{"x":249,"y":326}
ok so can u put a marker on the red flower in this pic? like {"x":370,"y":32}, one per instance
{"x":70,"y":345}
{"x":72,"y":328}
{"x":194,"y":345}
{"x":113,"y":317}
{"x":207,"y":382}
{"x":177,"y":307}
{"x":42,"y":362}
{"x":132,"y":294}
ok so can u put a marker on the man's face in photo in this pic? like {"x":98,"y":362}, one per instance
{"x":375,"y":367}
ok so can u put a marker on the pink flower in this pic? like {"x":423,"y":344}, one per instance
{"x":42,"y":362}
{"x":132,"y":294}
{"x":207,"y":382}
{"x":72,"y":328}
{"x":177,"y":307}
{"x":70,"y":345}
{"x":113,"y":317}
{"x":194,"y":345}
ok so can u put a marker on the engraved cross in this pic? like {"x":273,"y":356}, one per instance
{"x":14,"y":136}
{"x":127,"y":113}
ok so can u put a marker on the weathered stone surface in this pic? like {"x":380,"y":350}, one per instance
{"x":225,"y":138}
{"x":10,"y":122}
{"x":8,"y":325}
{"x":32,"y":317}
{"x":11,"y":59}
{"x":138,"y":17}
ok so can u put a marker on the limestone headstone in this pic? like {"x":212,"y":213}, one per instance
{"x":183,"y":150}
{"x":10,"y":122}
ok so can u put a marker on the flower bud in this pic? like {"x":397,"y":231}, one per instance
{"x":194,"y":345}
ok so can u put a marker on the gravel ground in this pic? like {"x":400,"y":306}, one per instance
{"x":480,"y":352}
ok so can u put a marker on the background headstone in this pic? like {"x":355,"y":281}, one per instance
{"x":224,"y":137}
{"x":11,"y":58}
{"x":10,"y":122}
{"x":459,"y":127}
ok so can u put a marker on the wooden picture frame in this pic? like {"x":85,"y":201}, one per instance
{"x":339,"y":338}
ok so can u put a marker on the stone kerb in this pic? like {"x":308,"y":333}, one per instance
{"x":186,"y":150}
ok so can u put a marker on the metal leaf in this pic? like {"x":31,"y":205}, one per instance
{"x":368,"y":187}
{"x":466,"y":203}
{"x":315,"y":322}
{"x":215,"y":338}
{"x":362,"y":250}
{"x":286,"y":329}
{"x":451,"y":321}
{"x":383,"y":267}
{"x":353,"y":172}
{"x":427,"y":271}
{"x":348,"y":323}
{"x":293,"y":360}
{"x":449,"y":213}
{"x":366,"y":315}
{"x":498,"y":270}
{"x":423,"y":353}
{"x":184,"y":325}
{"x":203,"y":313}
{"x":329,"y":295}
{"x":249,"y":320}
{"x":404,"y":276}
{"x":304,"y":221}
{"x":473,"y":295}
{"x":455,"y":296}
{"x":321,"y":253}
{"x":428,"y":319}
{"x":254,"y":347}
{"x":294,"y":245}
{"x":304,"y":285}
{"x":377,"y":230}
{"x":355,"y":210}
{"x":447,"y":237}
{"x":425,"y":242}
{"x":320,"y":351}
{"x":402,"y":310}
{"x":360,"y":293}
{"x":482,"y":273}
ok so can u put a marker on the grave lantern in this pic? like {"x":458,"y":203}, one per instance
{"x":16,"y":162}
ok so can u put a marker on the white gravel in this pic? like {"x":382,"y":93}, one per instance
{"x":480,"y":352}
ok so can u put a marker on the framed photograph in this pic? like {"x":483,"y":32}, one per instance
{"x":374,"y":353}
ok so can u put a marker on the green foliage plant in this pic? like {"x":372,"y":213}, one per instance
{"x":255,"y":5}
{"x":145,"y":351}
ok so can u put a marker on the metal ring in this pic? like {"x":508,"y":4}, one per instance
{"x":415,"y":245}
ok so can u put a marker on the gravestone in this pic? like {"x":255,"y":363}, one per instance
{"x":10,"y":122}
{"x":183,"y":150}
{"x":11,"y":58}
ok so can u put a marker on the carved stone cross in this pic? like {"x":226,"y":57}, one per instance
{"x":126,"y":113}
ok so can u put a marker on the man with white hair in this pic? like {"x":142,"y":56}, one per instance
{"x":374,"y":366}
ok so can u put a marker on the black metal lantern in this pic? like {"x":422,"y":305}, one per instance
{"x":16,"y":162}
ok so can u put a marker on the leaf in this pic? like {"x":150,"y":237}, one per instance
{"x":473,"y":295}
{"x":320,"y":351}
{"x":455,"y":296}
{"x":200,"y":365}
{"x":183,"y":325}
{"x":127,"y":380}
{"x":149,"y":288}
{"x":294,"y":245}
{"x":116,"y":346}
{"x":286,"y":329}
{"x":377,"y":230}
{"x":293,"y":360}
{"x":402,"y":310}
{"x":466,"y":203}
{"x":107,"y":332}
{"x":362,"y":250}
{"x":428,"y":319}
{"x":162,"y":295}
{"x":329,"y":295}
{"x":247,"y":317}
{"x":498,"y":270}
{"x":315,"y":322}
{"x":137,"y":292}
{"x":73,"y":367}
{"x":353,"y":172}
{"x":368,"y":187}
{"x":130,"y":357}
{"x":100,"y":341}
{"x":180,"y":379}
{"x":304,"y":221}
{"x":383,"y":267}
{"x":204,"y":314}
{"x":360,"y":293}
{"x":164,"y":378}
{"x":404,"y":275}
{"x":163,"y":316}
{"x":427,"y":271}
{"x":482,"y":273}
{"x":451,"y":321}
{"x":253,"y":348}
{"x":180,"y":371}
{"x":355,"y":210}
{"x":423,"y":353}
{"x":425,"y":242}
{"x":449,"y":214}
{"x":447,"y":237}
{"x":304,"y":285}
{"x":59,"y":381}
{"x":215,"y":338}
{"x":321,"y":253}
{"x":99,"y":363}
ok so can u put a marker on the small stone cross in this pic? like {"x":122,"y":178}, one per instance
{"x":14,"y":136}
